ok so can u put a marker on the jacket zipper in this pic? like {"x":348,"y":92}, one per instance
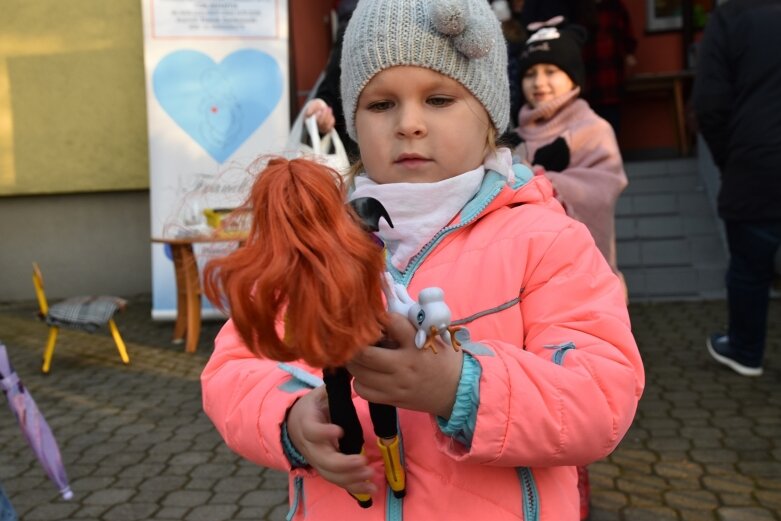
{"x":415,"y":262}
{"x":298,"y":497}
{"x":531,"y":510}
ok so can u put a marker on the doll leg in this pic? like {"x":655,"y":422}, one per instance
{"x":342,"y":410}
{"x":385,"y":427}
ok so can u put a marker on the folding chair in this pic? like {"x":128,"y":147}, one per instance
{"x":87,"y":313}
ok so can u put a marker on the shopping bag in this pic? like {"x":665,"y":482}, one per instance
{"x":327,"y":149}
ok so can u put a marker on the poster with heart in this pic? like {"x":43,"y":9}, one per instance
{"x":217,"y":99}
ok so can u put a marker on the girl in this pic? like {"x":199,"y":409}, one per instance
{"x":576,"y":148}
{"x":548,"y":375}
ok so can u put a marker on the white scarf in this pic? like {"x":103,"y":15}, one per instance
{"x":420,"y":210}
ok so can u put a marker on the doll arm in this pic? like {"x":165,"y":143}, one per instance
{"x":549,"y":403}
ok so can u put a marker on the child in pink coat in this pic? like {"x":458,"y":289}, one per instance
{"x":566,"y":140}
{"x":548,"y":375}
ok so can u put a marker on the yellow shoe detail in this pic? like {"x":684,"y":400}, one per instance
{"x":394,"y":471}
{"x":364,"y":500}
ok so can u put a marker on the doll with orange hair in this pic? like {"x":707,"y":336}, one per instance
{"x":311,"y":269}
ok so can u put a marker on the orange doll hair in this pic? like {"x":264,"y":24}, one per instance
{"x":308,"y":257}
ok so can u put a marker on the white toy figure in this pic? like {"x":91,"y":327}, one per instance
{"x":430,"y":314}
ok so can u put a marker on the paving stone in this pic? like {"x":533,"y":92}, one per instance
{"x":771,"y":483}
{"x":697,"y":515}
{"x":671,"y":443}
{"x":187,"y":498}
{"x":48,"y":512}
{"x":680,"y":470}
{"x":130,"y":512}
{"x":769,"y":498}
{"x":737,"y":500}
{"x":110,"y":496}
{"x":263,"y":498}
{"x":609,"y":500}
{"x":650,"y":514}
{"x":766,"y":469}
{"x":278,"y":513}
{"x":212,"y":513}
{"x":745,"y":514}
{"x":599,"y":514}
{"x":171,"y":513}
{"x":728,"y":483}
{"x":713,"y":455}
{"x":691,"y":499}
{"x":93,"y":512}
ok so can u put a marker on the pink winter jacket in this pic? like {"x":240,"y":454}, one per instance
{"x":560,"y":379}
{"x":590,"y":186}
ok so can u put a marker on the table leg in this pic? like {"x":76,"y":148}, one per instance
{"x":193,"y":298}
{"x":680,"y":118}
{"x":180,"y":328}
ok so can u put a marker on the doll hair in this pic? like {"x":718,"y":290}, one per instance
{"x":307,"y":261}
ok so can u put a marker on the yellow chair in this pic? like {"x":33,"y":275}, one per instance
{"x":87,"y":313}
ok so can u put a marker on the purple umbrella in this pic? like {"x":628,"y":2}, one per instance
{"x":36,"y":430}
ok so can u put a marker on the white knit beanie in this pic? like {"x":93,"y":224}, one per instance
{"x":461,"y":39}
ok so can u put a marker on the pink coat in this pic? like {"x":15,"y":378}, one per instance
{"x":527,"y":281}
{"x":590,"y":186}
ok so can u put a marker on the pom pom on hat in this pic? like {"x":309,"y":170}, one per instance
{"x":448,"y":16}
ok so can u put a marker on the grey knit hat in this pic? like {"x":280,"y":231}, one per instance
{"x":461,"y":39}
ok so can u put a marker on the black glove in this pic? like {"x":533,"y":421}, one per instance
{"x":509,"y":139}
{"x":553,"y":156}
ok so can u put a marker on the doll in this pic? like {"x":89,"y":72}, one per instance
{"x":312,"y":263}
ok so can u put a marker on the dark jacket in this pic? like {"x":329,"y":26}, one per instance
{"x":737,"y":101}
{"x":329,"y":89}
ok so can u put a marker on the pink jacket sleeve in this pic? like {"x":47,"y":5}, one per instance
{"x":591,"y":185}
{"x":534,"y":411}
{"x":247,"y":399}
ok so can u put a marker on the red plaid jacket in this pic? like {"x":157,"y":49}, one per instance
{"x":605,"y":52}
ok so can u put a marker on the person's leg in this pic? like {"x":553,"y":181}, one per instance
{"x":6,"y":509}
{"x":752,"y":247}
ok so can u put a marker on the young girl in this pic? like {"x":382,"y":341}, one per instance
{"x":548,"y":375}
{"x":576,"y":148}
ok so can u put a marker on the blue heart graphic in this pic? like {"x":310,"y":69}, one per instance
{"x":221,"y":104}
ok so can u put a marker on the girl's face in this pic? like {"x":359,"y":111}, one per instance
{"x":544,"y":82}
{"x":415,"y":125}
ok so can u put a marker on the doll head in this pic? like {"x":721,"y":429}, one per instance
{"x":308,"y":262}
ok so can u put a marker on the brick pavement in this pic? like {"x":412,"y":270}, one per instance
{"x":705,"y":445}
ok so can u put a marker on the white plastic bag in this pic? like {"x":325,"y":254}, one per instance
{"x":329,"y":149}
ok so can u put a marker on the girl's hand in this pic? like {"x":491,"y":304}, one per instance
{"x":408,"y":377}
{"x":323,"y":113}
{"x":317,"y":440}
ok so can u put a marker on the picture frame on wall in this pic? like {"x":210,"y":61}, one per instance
{"x":665,"y":15}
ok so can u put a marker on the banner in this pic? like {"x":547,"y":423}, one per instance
{"x":217,"y":88}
